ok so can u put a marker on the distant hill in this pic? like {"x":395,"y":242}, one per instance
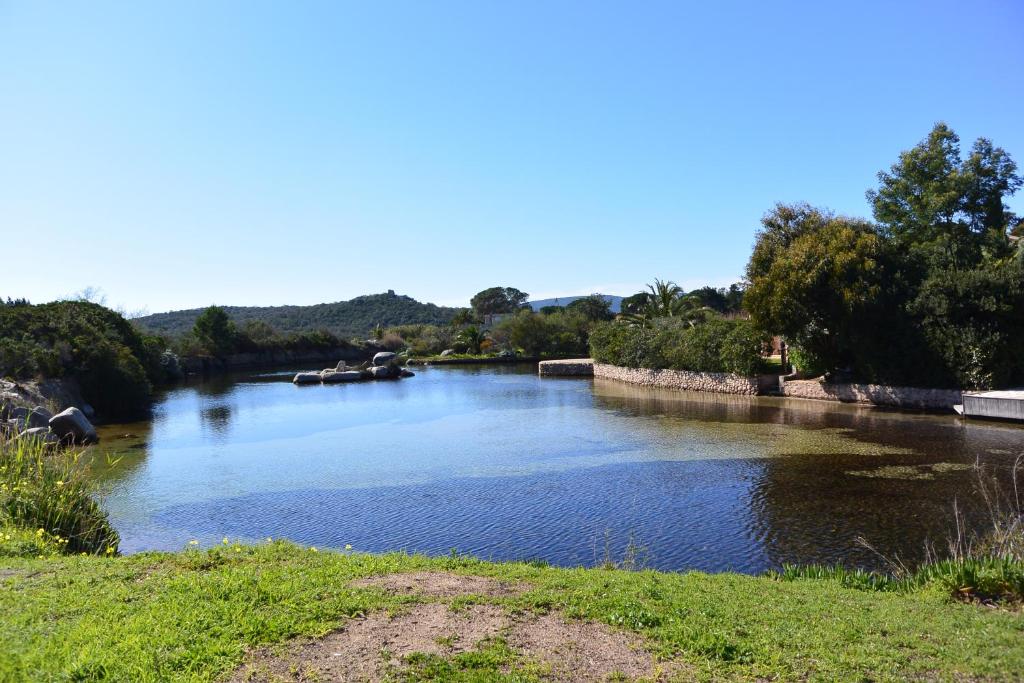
{"x":616,"y":302}
{"x":347,"y":319}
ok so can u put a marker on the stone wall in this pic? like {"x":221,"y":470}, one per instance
{"x":574,"y":367}
{"x":680,"y":379}
{"x":873,"y":394}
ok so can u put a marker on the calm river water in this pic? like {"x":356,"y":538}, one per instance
{"x":501,"y":464}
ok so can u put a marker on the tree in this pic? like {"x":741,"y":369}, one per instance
{"x":634,"y":304}
{"x":593,"y":307}
{"x":667,"y":300}
{"x":215,"y":331}
{"x":498,"y":300}
{"x":464,"y":317}
{"x":817,"y":289}
{"x":947,"y":211}
{"x":473,"y":337}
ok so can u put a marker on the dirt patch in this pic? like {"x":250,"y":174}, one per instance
{"x":375,"y":647}
{"x":582,"y":650}
{"x":440,"y":585}
{"x":371,"y":648}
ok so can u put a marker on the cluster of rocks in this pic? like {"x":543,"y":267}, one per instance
{"x":385,"y":365}
{"x":67,"y":427}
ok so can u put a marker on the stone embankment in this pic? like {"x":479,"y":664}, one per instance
{"x":682,"y":380}
{"x":873,"y":394}
{"x":908,"y":398}
{"x":573,"y":367}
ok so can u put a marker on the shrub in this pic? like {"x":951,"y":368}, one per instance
{"x":717,"y":345}
{"x":47,"y":492}
{"x":114,"y":364}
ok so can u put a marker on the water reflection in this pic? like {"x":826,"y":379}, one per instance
{"x":500,"y":463}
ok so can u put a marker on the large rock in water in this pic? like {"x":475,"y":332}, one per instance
{"x":307,"y":378}
{"x":72,"y":425}
{"x":384,"y":358}
{"x":345,"y":376}
{"x":381,"y":372}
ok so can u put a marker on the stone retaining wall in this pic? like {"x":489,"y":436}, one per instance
{"x":680,"y":379}
{"x":873,"y":394}
{"x":574,"y":367}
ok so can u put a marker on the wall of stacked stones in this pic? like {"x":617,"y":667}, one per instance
{"x":873,"y":394}
{"x":680,"y":379}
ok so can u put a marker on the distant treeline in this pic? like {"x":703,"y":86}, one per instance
{"x":344,"y":319}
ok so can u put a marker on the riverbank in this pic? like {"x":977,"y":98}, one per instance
{"x":472,"y":360}
{"x":210,"y":614}
{"x":904,"y":398}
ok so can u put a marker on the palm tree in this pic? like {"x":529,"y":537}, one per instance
{"x":473,"y":337}
{"x":667,"y":300}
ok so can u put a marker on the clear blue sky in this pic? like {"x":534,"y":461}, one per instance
{"x":269,"y":153}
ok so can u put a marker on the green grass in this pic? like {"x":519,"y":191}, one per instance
{"x":47,"y":491}
{"x":192,"y":615}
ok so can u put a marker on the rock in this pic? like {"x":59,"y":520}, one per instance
{"x":39,"y":417}
{"x":407,"y":373}
{"x":334,"y":377}
{"x":341,"y":366}
{"x":72,"y":425}
{"x":381,"y":372}
{"x":384,"y":358}
{"x":507,"y":354}
{"x":447,"y":352}
{"x":307,"y":378}
{"x":42,"y":433}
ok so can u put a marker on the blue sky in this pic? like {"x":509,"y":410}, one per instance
{"x":268,"y":153}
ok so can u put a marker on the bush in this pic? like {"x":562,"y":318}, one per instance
{"x":115,"y":364}
{"x":714,"y":346}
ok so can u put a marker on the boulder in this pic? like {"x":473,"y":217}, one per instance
{"x":39,"y":417}
{"x":73,"y":426}
{"x":447,"y":352}
{"x":307,"y":378}
{"x":384,"y":358}
{"x":42,"y":433}
{"x":406,"y":373}
{"x":381,"y":372}
{"x":334,"y":377}
{"x":341,"y":367}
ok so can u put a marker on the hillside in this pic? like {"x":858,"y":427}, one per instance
{"x":355,"y":318}
{"x":615,"y":301}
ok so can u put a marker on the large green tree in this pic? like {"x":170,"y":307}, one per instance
{"x":215,"y":331}
{"x":814,"y":278}
{"x":496,"y":300}
{"x":946,"y":211}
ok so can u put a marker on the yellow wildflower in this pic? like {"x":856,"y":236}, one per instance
{"x":313,"y":549}
{"x":193,"y":542}
{"x":348,"y":546}
{"x":224,"y":540}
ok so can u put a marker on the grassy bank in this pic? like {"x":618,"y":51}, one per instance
{"x":193,"y":615}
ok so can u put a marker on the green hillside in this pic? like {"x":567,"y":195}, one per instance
{"x":355,"y":318}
